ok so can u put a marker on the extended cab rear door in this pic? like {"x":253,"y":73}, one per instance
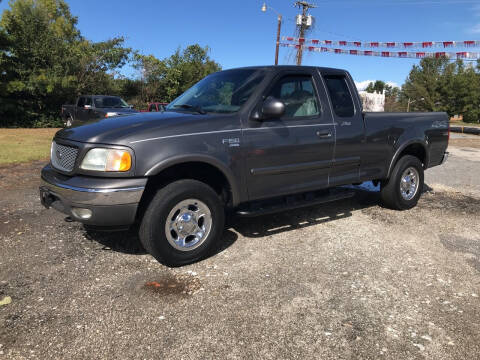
{"x":349,"y":127}
{"x":292,"y":153}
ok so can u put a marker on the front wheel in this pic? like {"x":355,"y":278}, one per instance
{"x":182,"y":223}
{"x":402,"y":191}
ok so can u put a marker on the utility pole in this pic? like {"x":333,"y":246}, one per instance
{"x":279,"y":28}
{"x":279,"y":18}
{"x":304,"y":22}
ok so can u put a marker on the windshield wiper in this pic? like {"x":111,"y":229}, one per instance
{"x":197,"y":109}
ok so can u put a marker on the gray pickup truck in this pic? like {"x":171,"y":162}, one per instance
{"x":248,"y":142}
{"x":93,"y":107}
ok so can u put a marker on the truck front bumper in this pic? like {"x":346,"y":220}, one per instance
{"x":100,"y":202}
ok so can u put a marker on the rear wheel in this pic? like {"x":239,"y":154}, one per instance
{"x":182,"y":223}
{"x":404,"y":188}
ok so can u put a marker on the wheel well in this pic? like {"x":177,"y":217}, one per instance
{"x":200,"y":171}
{"x":416,"y":150}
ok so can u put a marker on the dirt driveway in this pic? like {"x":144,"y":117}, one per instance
{"x":345,"y":280}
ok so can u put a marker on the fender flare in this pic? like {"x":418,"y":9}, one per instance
{"x":176,"y":160}
{"x":396,"y":156}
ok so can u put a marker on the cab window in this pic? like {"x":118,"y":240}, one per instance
{"x":340,"y":96}
{"x":298,"y":95}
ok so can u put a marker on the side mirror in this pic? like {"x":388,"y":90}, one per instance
{"x":273,"y":108}
{"x":87,"y":107}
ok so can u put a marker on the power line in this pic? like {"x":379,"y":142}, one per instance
{"x":400,"y":3}
{"x":304,"y":22}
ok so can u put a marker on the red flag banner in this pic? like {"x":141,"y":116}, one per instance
{"x":391,"y":54}
{"x":387,"y":44}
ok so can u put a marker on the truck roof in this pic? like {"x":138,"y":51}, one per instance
{"x":323,"y":70}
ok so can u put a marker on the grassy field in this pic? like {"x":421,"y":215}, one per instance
{"x":21,"y":145}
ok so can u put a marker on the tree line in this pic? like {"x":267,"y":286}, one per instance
{"x":436,"y":85}
{"x":46,"y":62}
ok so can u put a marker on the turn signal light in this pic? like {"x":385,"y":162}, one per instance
{"x":119,"y":161}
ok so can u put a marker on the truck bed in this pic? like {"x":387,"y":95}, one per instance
{"x":401,"y":129}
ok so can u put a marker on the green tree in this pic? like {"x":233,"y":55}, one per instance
{"x":377,"y":87}
{"x":45,"y":62}
{"x":441,"y":85}
{"x":98,"y":64}
{"x":393,"y":98}
{"x":168,"y":78}
{"x":425,"y":85}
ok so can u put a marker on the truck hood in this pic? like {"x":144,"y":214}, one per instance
{"x":119,"y":110}
{"x":123,"y":130}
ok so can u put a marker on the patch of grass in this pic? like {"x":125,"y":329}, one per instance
{"x":22,"y":145}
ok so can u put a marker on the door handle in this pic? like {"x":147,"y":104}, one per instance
{"x":324,"y":134}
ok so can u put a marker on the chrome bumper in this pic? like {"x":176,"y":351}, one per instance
{"x":110,"y":201}
{"x":88,"y":196}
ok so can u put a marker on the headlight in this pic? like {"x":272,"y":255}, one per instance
{"x":100,"y":159}
{"x":110,"y":114}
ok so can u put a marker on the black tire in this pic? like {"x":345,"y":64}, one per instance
{"x":152,"y":230}
{"x":390,"y":190}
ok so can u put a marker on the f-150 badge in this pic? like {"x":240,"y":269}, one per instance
{"x":232,"y":142}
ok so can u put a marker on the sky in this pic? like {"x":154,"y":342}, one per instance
{"x":239,"y":34}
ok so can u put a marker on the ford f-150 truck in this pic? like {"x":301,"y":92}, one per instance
{"x":91,"y":107}
{"x":246,"y":141}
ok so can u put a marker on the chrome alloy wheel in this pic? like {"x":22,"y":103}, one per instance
{"x":188,"y":224}
{"x":409,"y":183}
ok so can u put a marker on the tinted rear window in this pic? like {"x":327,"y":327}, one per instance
{"x":340,"y":96}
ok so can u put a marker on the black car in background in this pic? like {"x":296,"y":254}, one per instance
{"x":93,"y":107}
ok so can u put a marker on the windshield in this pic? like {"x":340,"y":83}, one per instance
{"x":223,"y":92}
{"x":110,"y":102}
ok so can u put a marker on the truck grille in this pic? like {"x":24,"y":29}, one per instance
{"x":63,"y":157}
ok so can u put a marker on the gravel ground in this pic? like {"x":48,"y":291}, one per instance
{"x":344,"y":280}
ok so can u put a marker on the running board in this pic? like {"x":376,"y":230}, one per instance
{"x":290,"y":202}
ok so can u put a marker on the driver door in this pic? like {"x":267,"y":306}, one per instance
{"x":293,"y":153}
{"x":82,"y":113}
